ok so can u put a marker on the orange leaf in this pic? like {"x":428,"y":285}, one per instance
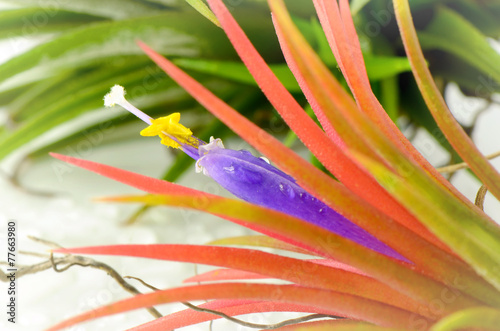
{"x":321,"y":86}
{"x":332,"y":302}
{"x":301,"y":272}
{"x":229,"y":307}
{"x":316,"y":182}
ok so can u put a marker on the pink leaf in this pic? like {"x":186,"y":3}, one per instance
{"x":307,"y":273}
{"x":232,"y":274}
{"x":228,"y":307}
{"x":332,"y":302}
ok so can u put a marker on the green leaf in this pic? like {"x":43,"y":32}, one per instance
{"x":472,"y":81}
{"x":437,"y":105}
{"x":480,"y":15}
{"x":414,"y":106}
{"x":450,"y":32}
{"x":237,"y":71}
{"x":169,"y":33}
{"x":22,"y":106}
{"x":389,"y":97}
{"x":450,"y":220}
{"x":324,"y":50}
{"x":175,"y":34}
{"x":114,"y":9}
{"x":378,"y":68}
{"x":30,"y":21}
{"x":420,"y":4}
{"x":357,"y":5}
{"x":7,"y":96}
{"x":484,"y":318}
{"x":484,"y":236}
{"x":80,"y":101}
{"x":203,"y":9}
{"x":50,"y":91}
{"x":382,"y":67}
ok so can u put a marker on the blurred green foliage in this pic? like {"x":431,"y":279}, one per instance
{"x":84,"y":47}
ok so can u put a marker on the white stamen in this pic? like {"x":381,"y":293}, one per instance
{"x":215,"y":143}
{"x":117,"y":96}
{"x":265,"y":159}
{"x":199,"y":168}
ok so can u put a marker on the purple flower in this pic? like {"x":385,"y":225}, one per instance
{"x":250,"y":178}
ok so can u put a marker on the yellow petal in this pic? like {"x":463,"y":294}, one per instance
{"x":169,"y":125}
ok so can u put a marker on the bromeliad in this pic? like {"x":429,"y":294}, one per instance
{"x":248,"y":177}
{"x":387,"y":197}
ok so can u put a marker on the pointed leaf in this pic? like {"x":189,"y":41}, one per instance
{"x":283,"y":227}
{"x":455,"y":134}
{"x":46,"y":93}
{"x":202,"y":8}
{"x":20,"y":22}
{"x":448,"y":31}
{"x":484,"y":318}
{"x":357,"y":5}
{"x":229,"y":307}
{"x":233,"y":274}
{"x":73,"y":105}
{"x":341,"y":34}
{"x":332,"y":302}
{"x":259,"y":241}
{"x":452,"y":223}
{"x":338,"y":325}
{"x":313,"y":180}
{"x":339,"y":249}
{"x":114,"y":9}
{"x":98,"y":41}
{"x":237,"y":71}
{"x":224,"y":274}
{"x":381,"y":67}
{"x":301,"y":272}
{"x":334,"y":107}
{"x":285,"y":104}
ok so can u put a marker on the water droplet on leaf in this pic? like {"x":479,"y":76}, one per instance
{"x":287,"y":190}
{"x":229,"y":169}
{"x":265,"y":159}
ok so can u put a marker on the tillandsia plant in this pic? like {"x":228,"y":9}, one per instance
{"x":396,"y":245}
{"x":64,"y":76}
